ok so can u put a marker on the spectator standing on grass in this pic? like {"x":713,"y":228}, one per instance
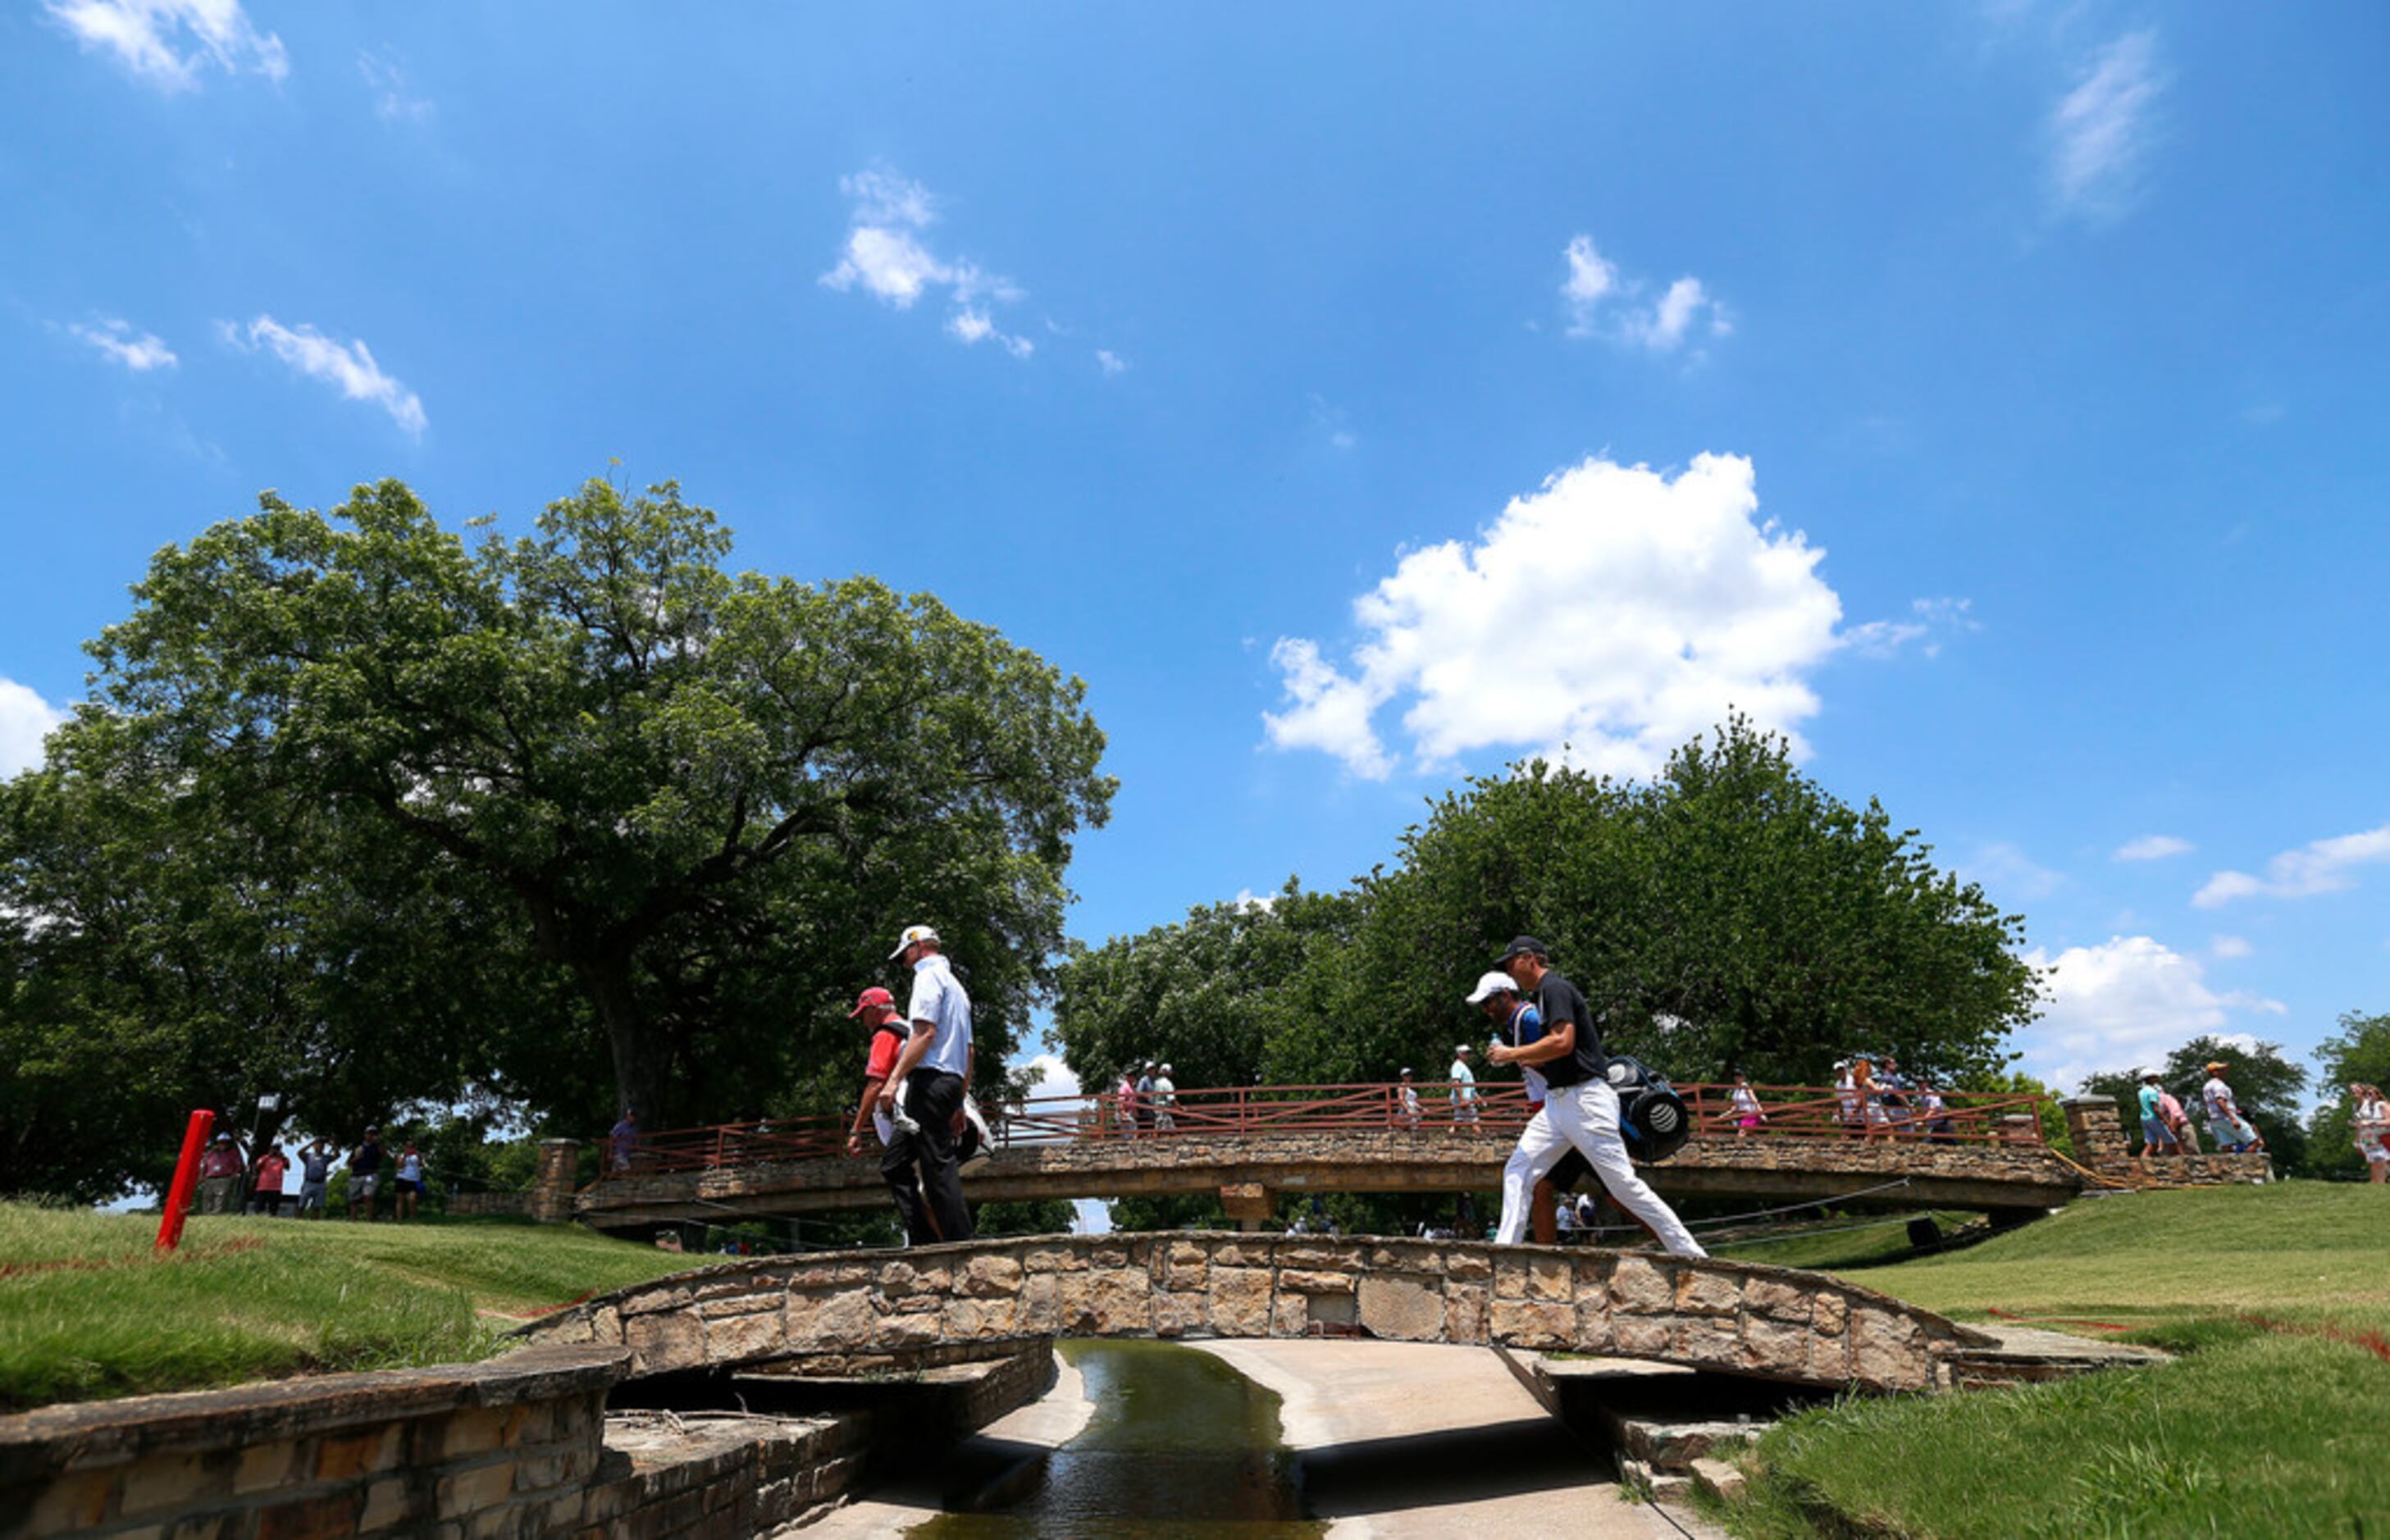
{"x":2232,"y":1133}
{"x":624,"y":1142}
{"x":1464,"y":1086}
{"x":935,"y":1070}
{"x":2369,"y":1124}
{"x":265,"y":1198}
{"x":1407,"y":1103}
{"x":315,"y":1176}
{"x":1580,"y":1109}
{"x":365,"y":1173}
{"x":220,"y":1177}
{"x":410,"y":1181}
{"x":2156,"y":1137}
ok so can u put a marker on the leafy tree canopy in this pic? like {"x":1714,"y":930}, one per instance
{"x":2359,"y":1052}
{"x":584,"y":814}
{"x":1732,"y":913}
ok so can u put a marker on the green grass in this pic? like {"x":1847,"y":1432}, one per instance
{"x":86,"y":1311}
{"x":1838,"y":1242}
{"x":2267,"y":1427}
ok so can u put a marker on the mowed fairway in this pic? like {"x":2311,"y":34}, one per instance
{"x":2274,"y":1423}
{"x":87,"y":1311}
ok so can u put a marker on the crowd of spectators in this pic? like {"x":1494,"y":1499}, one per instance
{"x":231,"y":1181}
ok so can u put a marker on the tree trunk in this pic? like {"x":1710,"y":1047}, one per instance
{"x":637,"y":1087}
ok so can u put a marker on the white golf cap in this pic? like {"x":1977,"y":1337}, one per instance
{"x":1460,"y":1048}
{"x":912,"y":933}
{"x":1492,"y":983}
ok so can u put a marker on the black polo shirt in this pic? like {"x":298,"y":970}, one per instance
{"x":1556,"y":1000}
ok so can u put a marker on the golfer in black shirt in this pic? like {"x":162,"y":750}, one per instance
{"x":1581,"y":1109}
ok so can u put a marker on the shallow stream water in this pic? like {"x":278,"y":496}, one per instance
{"x":1180,"y":1445}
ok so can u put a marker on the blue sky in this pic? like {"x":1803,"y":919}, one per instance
{"x":1357,"y":397}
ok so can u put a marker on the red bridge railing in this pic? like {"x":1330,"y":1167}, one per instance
{"x":1788,"y":1112}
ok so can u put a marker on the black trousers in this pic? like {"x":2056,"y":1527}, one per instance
{"x":923,"y":1174}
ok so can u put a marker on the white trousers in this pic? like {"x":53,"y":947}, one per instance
{"x":1586,"y":1117}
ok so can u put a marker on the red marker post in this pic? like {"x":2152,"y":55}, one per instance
{"x":187,"y":1177}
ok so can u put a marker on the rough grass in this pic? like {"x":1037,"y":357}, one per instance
{"x":2272,"y":1424}
{"x":86,"y":1311}
{"x":1838,"y":1242}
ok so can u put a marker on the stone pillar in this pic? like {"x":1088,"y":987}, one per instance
{"x":551,"y":1189}
{"x":1249,"y":1203}
{"x":2098,"y":1133}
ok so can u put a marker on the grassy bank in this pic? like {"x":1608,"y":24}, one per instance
{"x":86,"y":1311}
{"x":2272,"y":1424}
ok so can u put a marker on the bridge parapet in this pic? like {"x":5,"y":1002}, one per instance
{"x":1771,"y":1322}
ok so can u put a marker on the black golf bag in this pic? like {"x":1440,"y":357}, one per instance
{"x":1651,"y":1117}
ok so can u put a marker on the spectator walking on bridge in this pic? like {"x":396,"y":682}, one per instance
{"x":1742,"y":1108}
{"x":2233,"y":1134}
{"x":624,"y":1142}
{"x":2369,"y":1126}
{"x":1580,"y":1109}
{"x":1145,"y":1099}
{"x":1406,"y":1102}
{"x":220,"y":1177}
{"x":1464,"y":1086}
{"x":876,"y":1008}
{"x":935,"y":1070}
{"x":1124,"y":1101}
{"x":1165,"y":1096}
{"x":1848,"y":1107}
{"x":2158,"y":1138}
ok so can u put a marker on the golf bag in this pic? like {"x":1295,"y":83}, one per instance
{"x":1651,"y":1117}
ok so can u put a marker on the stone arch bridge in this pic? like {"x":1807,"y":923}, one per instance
{"x":1768,"y":1322}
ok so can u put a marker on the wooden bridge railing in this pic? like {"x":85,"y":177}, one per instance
{"x":1788,"y":1112}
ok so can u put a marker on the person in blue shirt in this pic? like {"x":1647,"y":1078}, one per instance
{"x":2156,"y":1137}
{"x":933,"y":1073}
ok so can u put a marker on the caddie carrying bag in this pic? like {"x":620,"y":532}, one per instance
{"x":1651,"y":1117}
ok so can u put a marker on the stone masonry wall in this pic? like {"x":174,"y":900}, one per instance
{"x":1770,"y":1322}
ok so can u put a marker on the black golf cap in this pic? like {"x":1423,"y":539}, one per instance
{"x":1523,"y":943}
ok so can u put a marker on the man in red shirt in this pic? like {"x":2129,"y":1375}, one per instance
{"x":220,"y":1177}
{"x":876,"y":1008}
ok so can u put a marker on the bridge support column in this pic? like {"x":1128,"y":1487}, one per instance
{"x":1251,"y":1205}
{"x":551,"y":1186}
{"x":2098,"y":1132}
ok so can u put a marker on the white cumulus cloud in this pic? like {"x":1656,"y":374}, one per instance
{"x":137,"y":351}
{"x":888,"y":256}
{"x":347,"y":367}
{"x":2152,"y":847}
{"x":2102,"y":131}
{"x":1615,"y":610}
{"x":2324,"y":867}
{"x":25,"y":720}
{"x":2124,"y":1004}
{"x":166,"y":43}
{"x":1599,"y":303}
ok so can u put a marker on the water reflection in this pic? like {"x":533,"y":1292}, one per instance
{"x":1180,"y":1445}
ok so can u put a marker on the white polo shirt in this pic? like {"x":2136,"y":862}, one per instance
{"x":938,"y":998}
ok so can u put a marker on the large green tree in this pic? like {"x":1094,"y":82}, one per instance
{"x":1729,"y":913}
{"x":704,"y":802}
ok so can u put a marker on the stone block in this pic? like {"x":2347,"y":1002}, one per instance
{"x":1712,"y":1341}
{"x":1592,"y":1334}
{"x":1401,"y":1309}
{"x":1054,"y":1259}
{"x":970,"y":1320}
{"x":911,"y":1329}
{"x":1639,"y":1286}
{"x":1464,"y":1311}
{"x":1830,"y":1356}
{"x":326,"y":1518}
{"x":1468,"y":1265}
{"x":990,"y":1277}
{"x":1241,"y":1300}
{"x":469,"y":1492}
{"x":1289,"y":1316}
{"x":170,"y":1481}
{"x":1550,"y":1279}
{"x":1705,"y":1293}
{"x":1777,"y":1299}
{"x":1828,"y":1314}
{"x":1037,"y":1302}
{"x":263,"y":1466}
{"x":1345,"y":1259}
{"x":1640,"y":1336}
{"x":1775,"y":1347}
{"x":1316,"y":1283}
{"x":1531,"y":1324}
{"x":606,"y":1326}
{"x":1889,"y":1351}
{"x":648,"y":1301}
{"x":744,"y":1338}
{"x":662,"y":1342}
{"x":388,"y":1504}
{"x":828,"y":1322}
{"x":1179,"y":1314}
{"x":72,"y":1502}
{"x":1120,"y":1302}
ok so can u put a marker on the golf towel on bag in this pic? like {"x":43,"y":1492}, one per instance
{"x":1652,"y":1118}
